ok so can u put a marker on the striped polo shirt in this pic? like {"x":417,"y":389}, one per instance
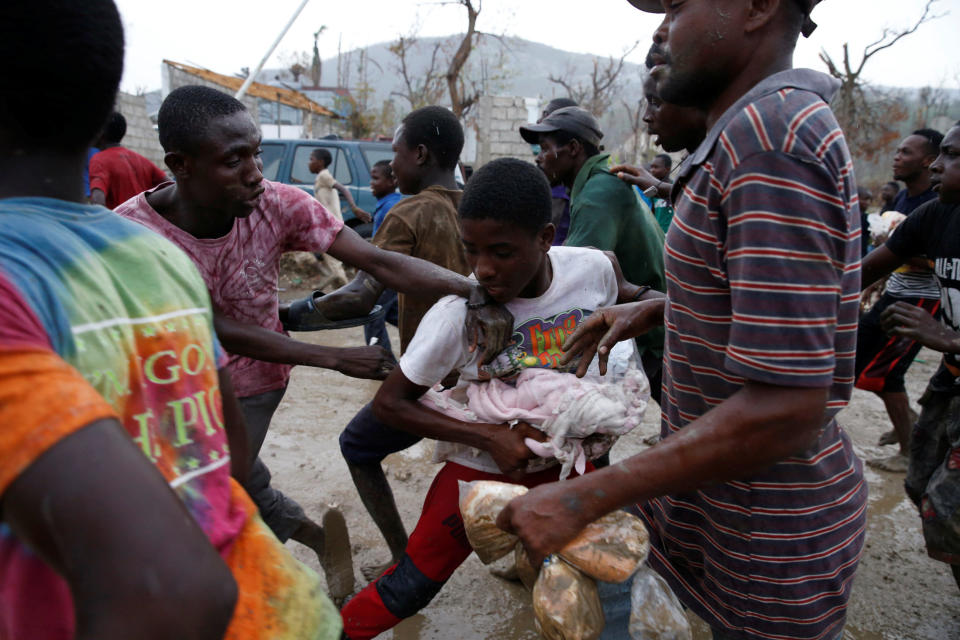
{"x":763,"y":284}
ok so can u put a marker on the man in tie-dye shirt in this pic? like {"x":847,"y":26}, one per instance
{"x":119,"y":429}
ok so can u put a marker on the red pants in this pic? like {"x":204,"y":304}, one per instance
{"x":437,"y":546}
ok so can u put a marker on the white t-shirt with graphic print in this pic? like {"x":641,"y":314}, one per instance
{"x":583,"y":280}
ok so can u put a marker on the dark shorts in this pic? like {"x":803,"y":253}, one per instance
{"x":882,"y":359}
{"x":933,"y":477}
{"x":367,"y":440}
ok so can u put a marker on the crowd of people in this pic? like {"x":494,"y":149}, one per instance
{"x":144,"y":351}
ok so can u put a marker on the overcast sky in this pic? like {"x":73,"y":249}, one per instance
{"x":226,"y":36}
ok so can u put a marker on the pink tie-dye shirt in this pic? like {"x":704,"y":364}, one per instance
{"x":242,"y":268}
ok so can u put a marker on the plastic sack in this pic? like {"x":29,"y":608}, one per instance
{"x":610,"y":549}
{"x":566,"y":603}
{"x":525,"y":570}
{"x":655,"y":612}
{"x":480,"y":504}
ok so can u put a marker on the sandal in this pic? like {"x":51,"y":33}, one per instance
{"x":303,"y":315}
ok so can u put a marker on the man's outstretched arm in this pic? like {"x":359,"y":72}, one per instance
{"x":258,"y":343}
{"x":137,"y":564}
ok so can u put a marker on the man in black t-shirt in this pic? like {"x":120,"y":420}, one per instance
{"x":933,"y":230}
{"x":883,"y":360}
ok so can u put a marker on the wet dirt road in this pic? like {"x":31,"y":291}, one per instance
{"x":898,"y":593}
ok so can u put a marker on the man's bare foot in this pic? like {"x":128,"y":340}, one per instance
{"x":331,"y":543}
{"x":336,"y":558}
{"x":889,"y":437}
{"x":896,"y":463}
{"x":371,"y":572}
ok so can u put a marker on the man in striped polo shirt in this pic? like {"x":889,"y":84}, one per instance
{"x":754,"y":497}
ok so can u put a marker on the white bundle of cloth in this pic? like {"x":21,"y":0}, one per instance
{"x":566,"y":408}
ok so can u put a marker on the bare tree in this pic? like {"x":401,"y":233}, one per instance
{"x":636,"y":127}
{"x":931,"y":102}
{"x":598,"y":93}
{"x":316,"y":63}
{"x":420,"y":88}
{"x":867,"y":115}
{"x":462,"y":99}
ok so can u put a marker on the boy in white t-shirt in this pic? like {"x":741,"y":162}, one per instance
{"x":505,"y":217}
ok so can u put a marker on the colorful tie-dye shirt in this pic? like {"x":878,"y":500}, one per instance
{"x":101,"y":317}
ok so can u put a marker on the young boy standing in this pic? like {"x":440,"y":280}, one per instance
{"x":383,"y":186}
{"x":505,"y":217}
{"x":328,"y":191}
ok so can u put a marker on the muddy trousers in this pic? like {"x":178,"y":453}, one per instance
{"x":282,"y":514}
{"x":437,"y":546}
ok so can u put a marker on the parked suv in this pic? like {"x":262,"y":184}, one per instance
{"x":286,"y":161}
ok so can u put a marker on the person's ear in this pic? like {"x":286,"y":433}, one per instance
{"x":760,"y":13}
{"x":545,"y":236}
{"x":422,"y":154}
{"x":178,"y":163}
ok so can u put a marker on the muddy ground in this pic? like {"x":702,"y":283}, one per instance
{"x":899,"y":592}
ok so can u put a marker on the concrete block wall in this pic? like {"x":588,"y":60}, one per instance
{"x":141,"y":136}
{"x":498,"y":124}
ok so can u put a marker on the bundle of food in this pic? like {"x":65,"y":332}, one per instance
{"x":655,"y":612}
{"x":610,"y":549}
{"x":565,"y":598}
{"x":480,"y":504}
{"x":566,"y":603}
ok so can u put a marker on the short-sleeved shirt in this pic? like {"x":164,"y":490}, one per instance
{"x":606,"y":214}
{"x":103,"y":318}
{"x":121,"y":174}
{"x":324,"y":191}
{"x":763,"y":271}
{"x":583,"y":280}
{"x":384,"y":205}
{"x":912,"y":281}
{"x":424,"y":226}
{"x":242,"y":268}
{"x":933,"y":230}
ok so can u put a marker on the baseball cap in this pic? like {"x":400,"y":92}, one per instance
{"x":655,"y":6}
{"x":574,"y":120}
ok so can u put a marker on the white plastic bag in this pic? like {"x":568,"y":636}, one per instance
{"x":655,"y":612}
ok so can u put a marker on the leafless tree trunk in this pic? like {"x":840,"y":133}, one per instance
{"x":868,"y":115}
{"x":460,"y":98}
{"x":598,"y":94}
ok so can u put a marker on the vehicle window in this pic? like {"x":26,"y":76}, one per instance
{"x":300,"y":173}
{"x":271,"y":160}
{"x":341,"y":168}
{"x":372,"y":154}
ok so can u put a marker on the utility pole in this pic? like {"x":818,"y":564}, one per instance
{"x":253,"y":74}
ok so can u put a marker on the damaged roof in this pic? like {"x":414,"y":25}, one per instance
{"x":289,"y":97}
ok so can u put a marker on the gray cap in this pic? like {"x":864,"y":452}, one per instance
{"x":573,"y":120}
{"x":655,"y":6}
